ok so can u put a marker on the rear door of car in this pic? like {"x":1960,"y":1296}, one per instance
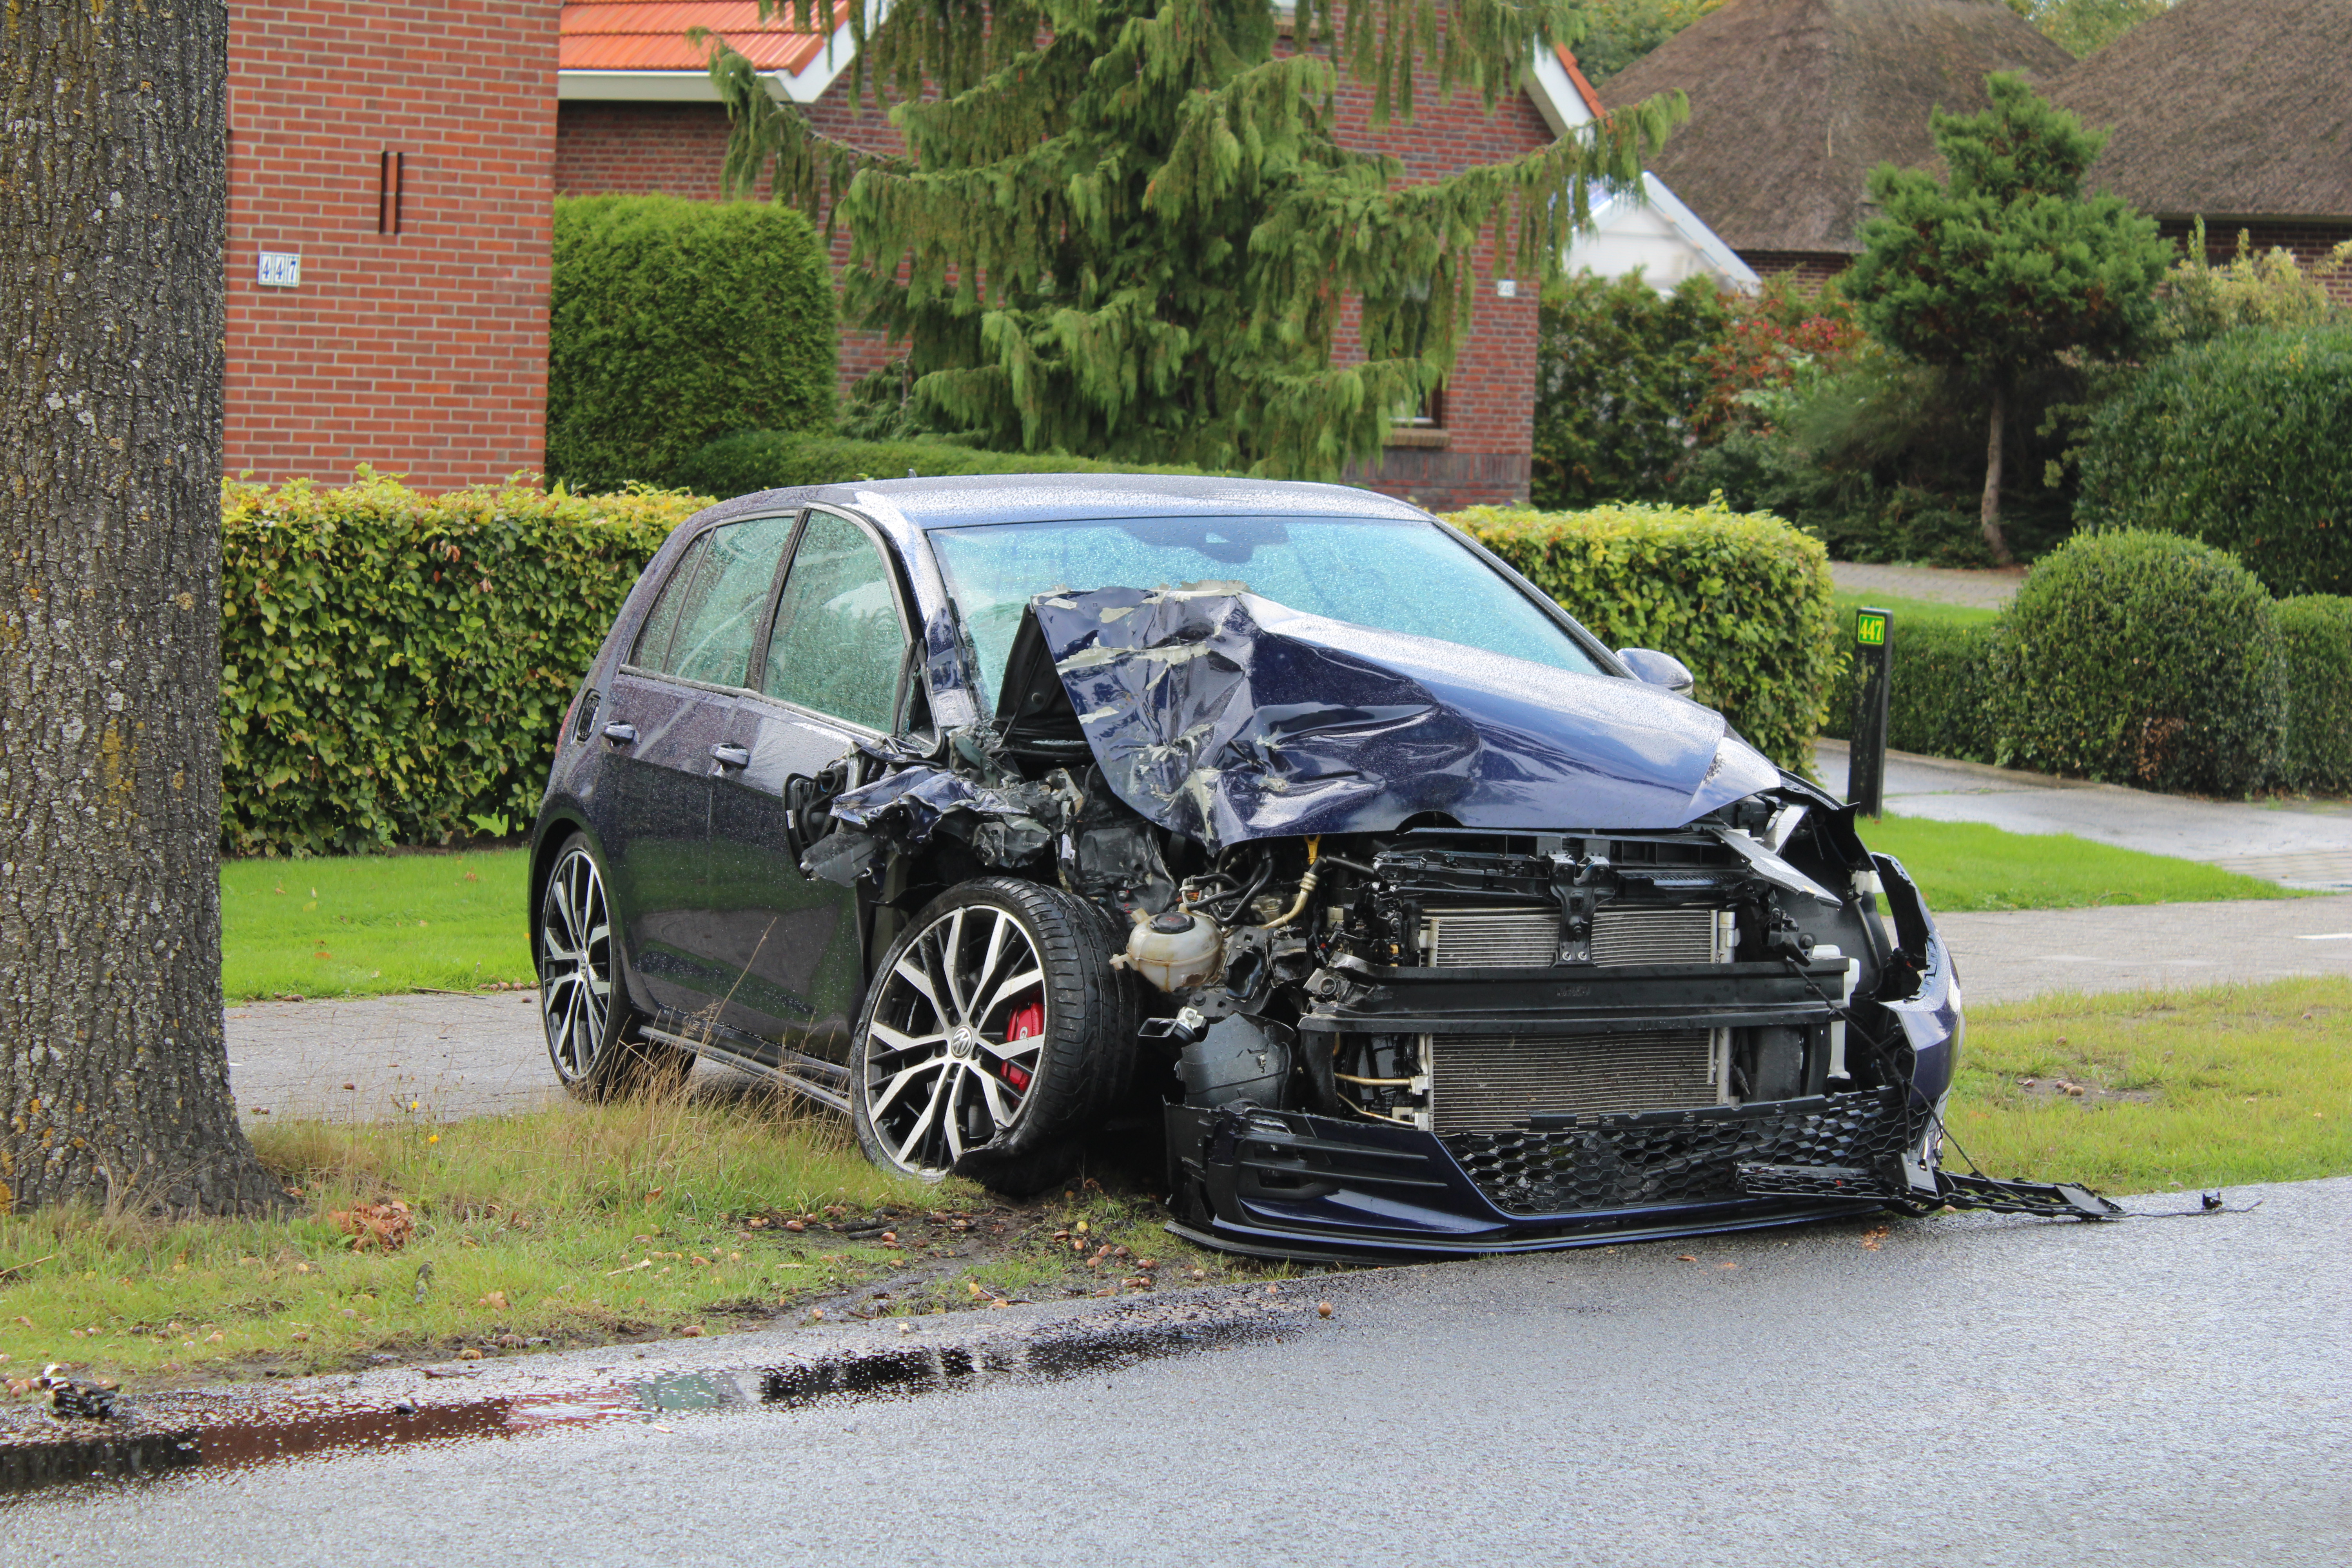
{"x":834,"y":670}
{"x":666,"y":723}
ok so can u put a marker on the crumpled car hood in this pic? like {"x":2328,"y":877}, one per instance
{"x":1227,"y":717}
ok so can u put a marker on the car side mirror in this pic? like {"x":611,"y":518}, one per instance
{"x":1658,"y":669}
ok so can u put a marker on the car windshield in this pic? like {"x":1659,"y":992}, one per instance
{"x":1398,"y":576}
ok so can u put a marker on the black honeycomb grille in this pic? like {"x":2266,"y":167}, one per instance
{"x":1677,"y":1157}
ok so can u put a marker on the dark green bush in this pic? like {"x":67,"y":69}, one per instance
{"x":770,"y":460}
{"x":2244,"y":442}
{"x":2142,"y":658}
{"x":671,"y":321}
{"x":2317,"y":632}
{"x":395,"y":665}
{"x":1622,"y":370}
{"x":1743,"y":600}
{"x":1940,"y":703}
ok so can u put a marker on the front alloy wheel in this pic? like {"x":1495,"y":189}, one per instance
{"x":995,"y":1025}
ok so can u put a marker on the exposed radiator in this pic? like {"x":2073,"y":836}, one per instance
{"x":1631,"y":934}
{"x":1489,"y":939}
{"x":1480,"y":1083}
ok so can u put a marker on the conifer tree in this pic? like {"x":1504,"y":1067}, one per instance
{"x":2008,"y":266}
{"x":1127,"y":229}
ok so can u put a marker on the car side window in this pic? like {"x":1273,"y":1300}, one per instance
{"x":720,"y":614}
{"x":838,"y":644}
{"x":653,"y":638}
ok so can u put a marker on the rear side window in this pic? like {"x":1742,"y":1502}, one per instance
{"x":653,"y":639}
{"x":720,"y":614}
{"x":838,"y":644}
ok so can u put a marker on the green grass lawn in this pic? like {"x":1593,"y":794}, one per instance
{"x":1904,"y":610}
{"x":366,"y":924}
{"x":1964,"y":866}
{"x":2240,"y":1083}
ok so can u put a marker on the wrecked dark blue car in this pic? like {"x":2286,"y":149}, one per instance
{"x":992,"y":811}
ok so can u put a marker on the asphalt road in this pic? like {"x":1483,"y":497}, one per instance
{"x":1969,"y":1390}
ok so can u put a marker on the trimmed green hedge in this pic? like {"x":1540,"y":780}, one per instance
{"x":2244,"y":442}
{"x":1940,"y":704}
{"x":2316,"y":630}
{"x":395,"y":665}
{"x":772,"y":459}
{"x":1743,"y":599}
{"x":671,"y":321}
{"x":2146,"y":659}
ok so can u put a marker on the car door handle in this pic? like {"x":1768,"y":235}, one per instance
{"x":621,"y":734}
{"x":732,"y":756}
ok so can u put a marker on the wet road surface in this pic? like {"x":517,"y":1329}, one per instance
{"x":1961,"y":1391}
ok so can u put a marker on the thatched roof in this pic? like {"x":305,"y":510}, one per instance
{"x":1793,"y":102}
{"x":2236,"y":109}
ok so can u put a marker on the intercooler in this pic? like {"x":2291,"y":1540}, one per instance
{"x":1621,"y":933}
{"x":1483,"y":1083}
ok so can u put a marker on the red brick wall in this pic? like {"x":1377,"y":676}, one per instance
{"x":2309,"y":243}
{"x":1812,"y":267}
{"x":423,"y":353}
{"x":1489,"y":406}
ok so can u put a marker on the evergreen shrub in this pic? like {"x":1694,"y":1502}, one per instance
{"x":770,"y":460}
{"x":1620,"y":374}
{"x":395,"y":665}
{"x":2245,"y":443}
{"x":1940,"y":705}
{"x":1742,"y":599}
{"x":671,"y":321}
{"x":2145,"y":658}
{"x":2316,"y":630}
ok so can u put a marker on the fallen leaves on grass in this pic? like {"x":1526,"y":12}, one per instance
{"x":387,"y":1226}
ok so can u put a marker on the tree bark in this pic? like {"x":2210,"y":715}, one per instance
{"x":113,"y":210}
{"x":1989,"y":511}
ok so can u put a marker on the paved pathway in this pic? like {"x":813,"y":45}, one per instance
{"x":2014,"y":954}
{"x":2304,"y":843}
{"x":1946,"y":585}
{"x":376,"y":1057}
{"x":453,"y":1057}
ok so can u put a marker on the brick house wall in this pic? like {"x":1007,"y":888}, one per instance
{"x":1482,"y":454}
{"x":1813,"y":267}
{"x":423,"y":353}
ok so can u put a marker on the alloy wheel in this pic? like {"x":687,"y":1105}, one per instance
{"x":954,"y":1041}
{"x":575,"y":964}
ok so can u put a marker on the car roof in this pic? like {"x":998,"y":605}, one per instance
{"x":966,"y":501}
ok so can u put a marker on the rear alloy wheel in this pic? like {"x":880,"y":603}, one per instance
{"x":994,"y":1029}
{"x":586,"y":1013}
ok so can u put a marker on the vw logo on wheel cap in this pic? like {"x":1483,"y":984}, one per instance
{"x":963,"y":1040}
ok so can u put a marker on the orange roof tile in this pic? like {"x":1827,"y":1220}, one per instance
{"x":650,"y":35}
{"x":1583,"y":88}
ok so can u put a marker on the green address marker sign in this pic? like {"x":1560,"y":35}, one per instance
{"x":1870,"y":631}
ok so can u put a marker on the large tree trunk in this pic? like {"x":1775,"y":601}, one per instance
{"x":1989,"y":511}
{"x":113,"y":197}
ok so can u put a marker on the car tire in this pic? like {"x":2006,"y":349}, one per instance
{"x":995,"y":1032}
{"x":593,"y":1039}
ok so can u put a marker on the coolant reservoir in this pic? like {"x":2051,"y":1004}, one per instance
{"x":1174,"y":949}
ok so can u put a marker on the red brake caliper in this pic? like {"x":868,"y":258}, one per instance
{"x":1026,"y":1024}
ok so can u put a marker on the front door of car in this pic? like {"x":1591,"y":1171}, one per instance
{"x":667,"y":723}
{"x":834,"y":662}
